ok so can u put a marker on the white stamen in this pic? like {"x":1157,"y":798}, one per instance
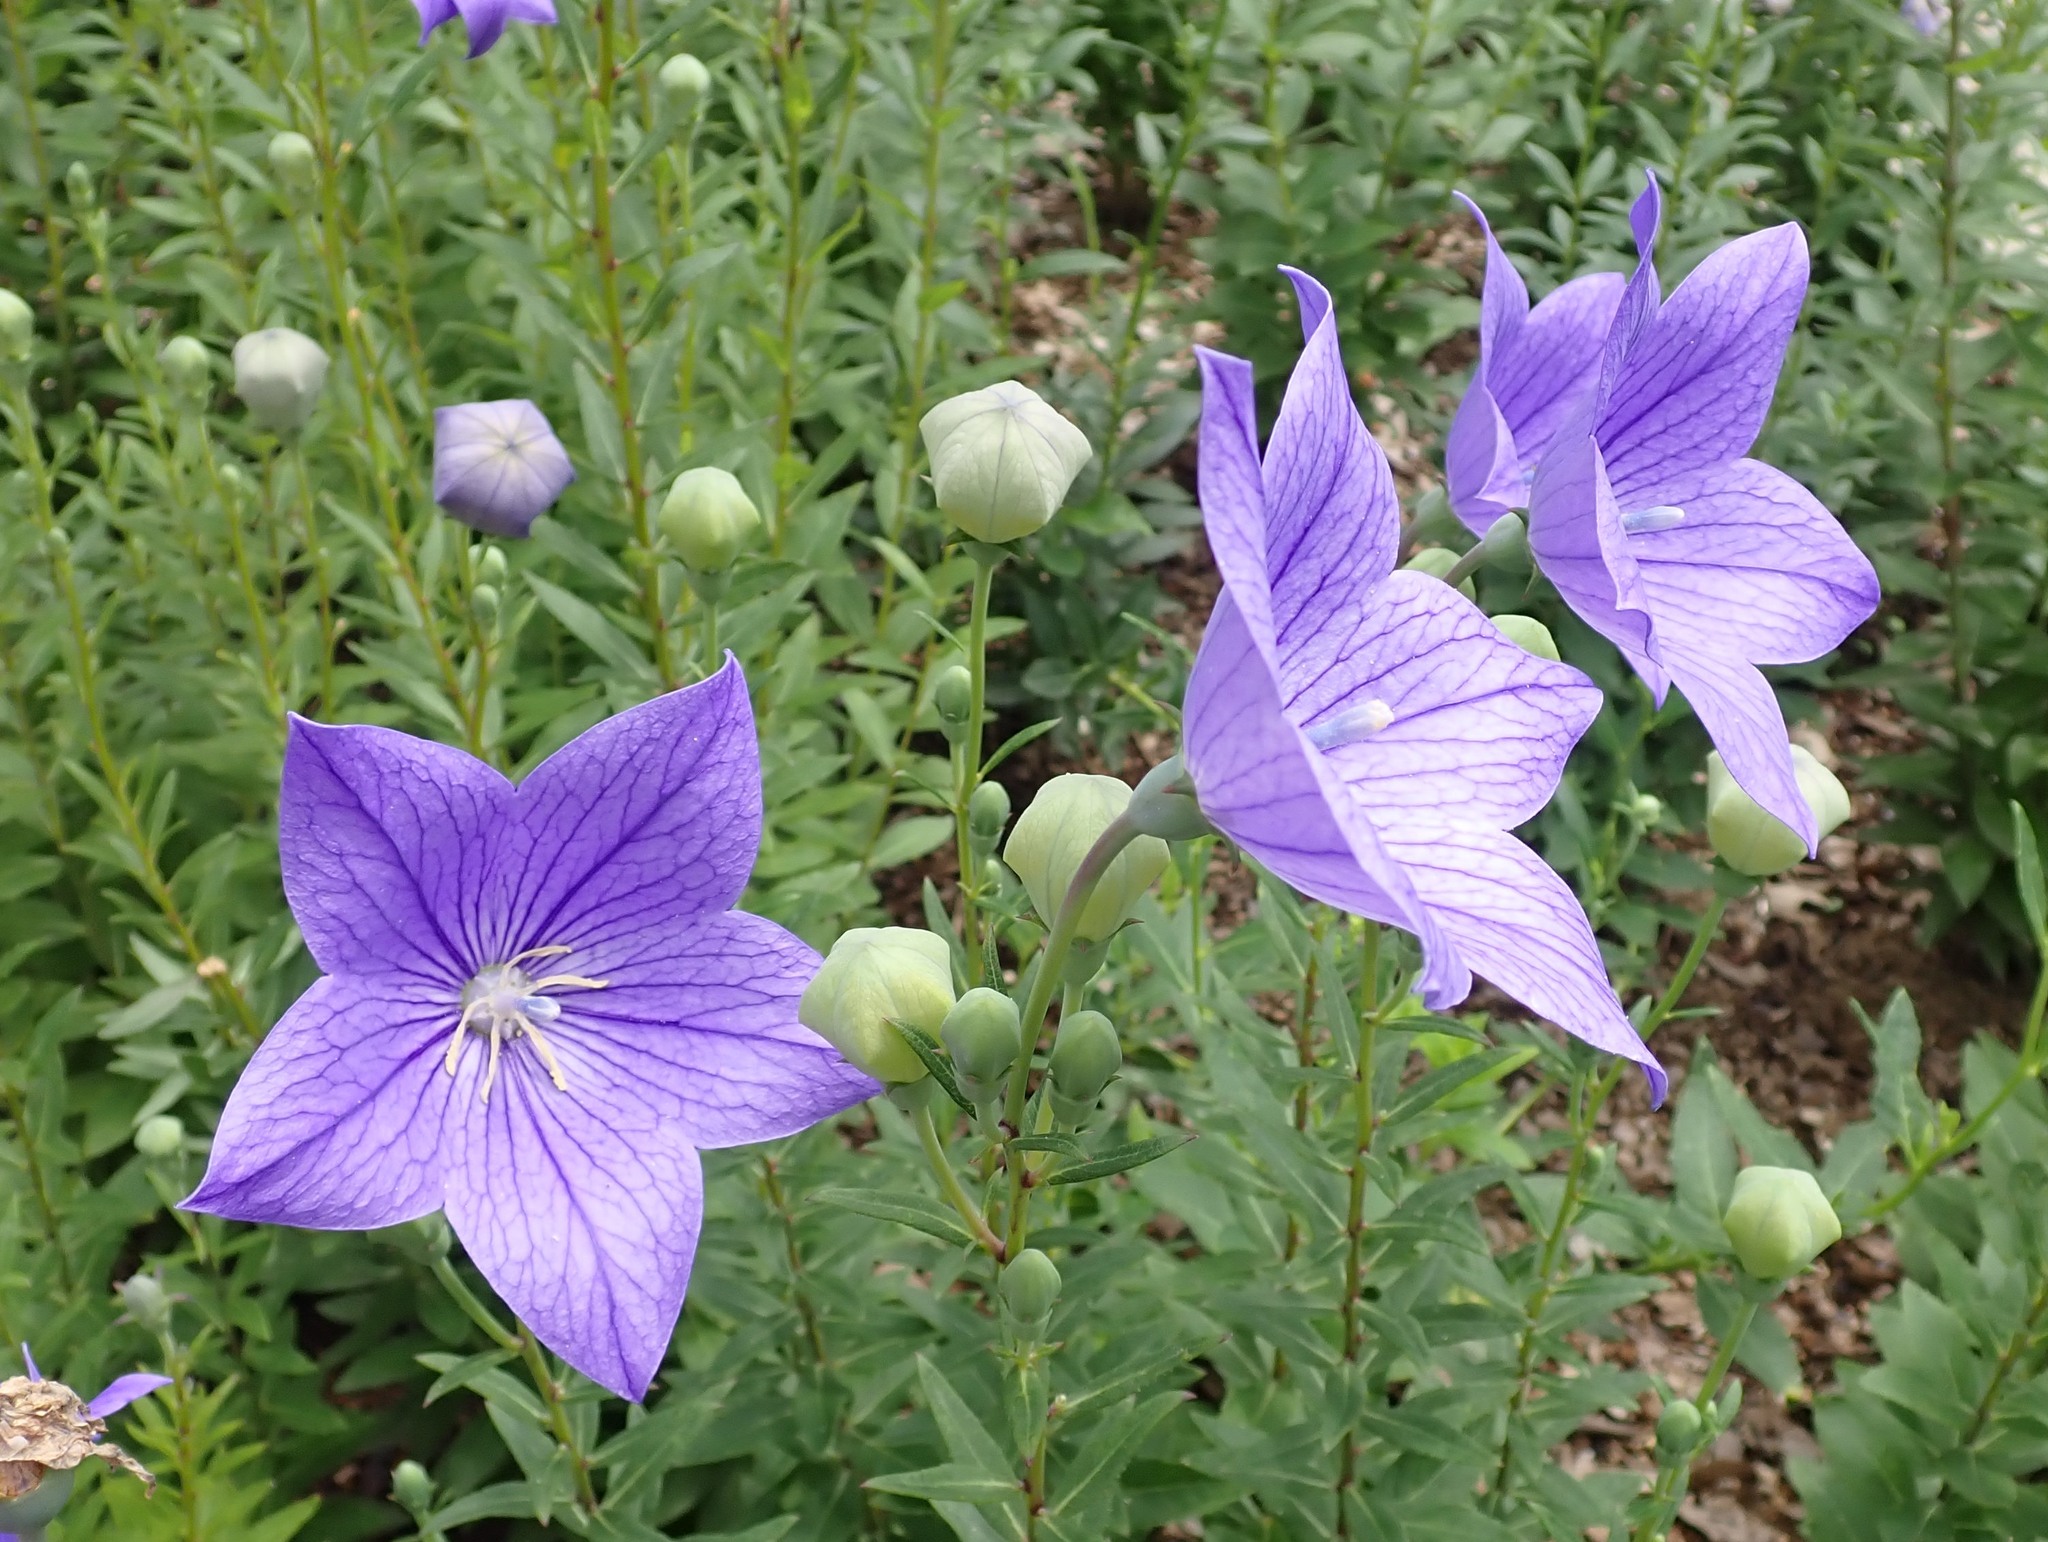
{"x":1351,"y":725}
{"x":503,"y":1004}
{"x":1649,"y":521}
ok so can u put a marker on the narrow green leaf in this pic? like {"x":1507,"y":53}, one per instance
{"x":933,"y":1054}
{"x":912,"y":1210}
{"x":2027,"y":866}
{"x":1123,"y":1158}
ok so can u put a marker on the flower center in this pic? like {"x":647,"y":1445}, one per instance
{"x":1649,"y":521}
{"x":1352,"y":725}
{"x":504,"y":1003}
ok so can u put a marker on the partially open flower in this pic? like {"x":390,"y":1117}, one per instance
{"x":1002,"y":460}
{"x":1052,"y":837}
{"x":1756,"y":843}
{"x":873,"y":977}
{"x":498,"y":465}
{"x":279,"y":375}
{"x":46,"y":1430}
{"x":1779,"y":1221}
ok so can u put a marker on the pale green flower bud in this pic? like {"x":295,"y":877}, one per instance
{"x":160,"y":1136}
{"x":17,"y":328}
{"x":1030,"y":1286}
{"x":987,"y":812}
{"x":279,"y":375}
{"x":1506,"y":541}
{"x":1754,"y":842}
{"x":1528,"y":634}
{"x":1779,"y":1221}
{"x":708,"y":518}
{"x":1053,"y":835}
{"x":983,"y":1035}
{"x":684,"y":83}
{"x":1002,"y":460}
{"x":484,"y":600}
{"x":876,"y":975}
{"x":1437,"y":562}
{"x":1678,"y":1429}
{"x":412,"y":1487}
{"x":78,"y":187}
{"x":953,"y":698}
{"x":188,"y":370}
{"x":295,"y":164}
{"x":1085,"y":1057}
{"x":491,"y":566}
{"x":144,"y":1299}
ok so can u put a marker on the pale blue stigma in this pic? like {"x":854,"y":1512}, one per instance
{"x":1351,"y":726}
{"x":1649,"y":521}
{"x":542,"y":1008}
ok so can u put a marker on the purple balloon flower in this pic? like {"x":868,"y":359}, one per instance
{"x":1697,"y":562}
{"x":498,"y":465}
{"x":1369,"y":735}
{"x":485,"y":19}
{"x":537,"y":1007}
{"x":1537,"y":369}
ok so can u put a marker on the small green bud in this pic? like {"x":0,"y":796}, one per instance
{"x":1678,"y":1429}
{"x":160,"y":1136}
{"x":484,"y":600}
{"x":987,"y":812}
{"x":953,"y":697}
{"x":411,"y":1487}
{"x":1528,"y":634}
{"x":17,"y":328}
{"x":425,"y":1241}
{"x":1506,"y":542}
{"x":1030,"y":1286}
{"x":1756,"y":843}
{"x":684,"y":82}
{"x":57,"y":544}
{"x":1084,"y":1058}
{"x":1054,"y":834}
{"x":982,"y":1034}
{"x":876,"y":975}
{"x":188,"y":370}
{"x":78,"y":187}
{"x":1002,"y":460}
{"x":708,"y":518}
{"x":1646,"y":808}
{"x":1779,"y":1221}
{"x":1164,"y":803}
{"x":491,"y":566}
{"x":279,"y":375}
{"x":295,"y":164}
{"x":1437,"y":562}
{"x":143,"y":1297}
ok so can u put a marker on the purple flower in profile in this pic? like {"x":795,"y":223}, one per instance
{"x":537,"y":1007}
{"x":1537,"y":369}
{"x":1369,"y":735}
{"x":498,"y":465}
{"x":485,"y":19}
{"x":1697,"y":562}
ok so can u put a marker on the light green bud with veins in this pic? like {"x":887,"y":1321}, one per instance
{"x":987,"y":812}
{"x":295,"y":164}
{"x":983,"y":1034}
{"x":684,"y":83}
{"x":1528,"y":634}
{"x":279,"y":375}
{"x":17,"y":328}
{"x":142,"y":1296}
{"x":1030,"y":1286}
{"x":491,"y":566}
{"x":1002,"y":460}
{"x":1754,"y":842}
{"x":1053,"y":835}
{"x":953,"y":696}
{"x":708,"y":518}
{"x":160,"y":1136}
{"x":1085,"y":1057}
{"x":1678,"y":1429}
{"x":1779,"y":1221}
{"x":875,"y":976}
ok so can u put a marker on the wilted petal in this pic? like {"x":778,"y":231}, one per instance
{"x":1756,"y":565}
{"x":1476,"y":727}
{"x":1576,"y":538}
{"x":1741,"y":715}
{"x":497,"y":465}
{"x":1518,"y":925}
{"x":123,"y":1390}
{"x":652,"y":815}
{"x":582,"y":1209}
{"x":339,"y":1121}
{"x":381,"y":838}
{"x":703,"y":1015}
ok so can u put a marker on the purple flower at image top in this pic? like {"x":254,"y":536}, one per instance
{"x":498,"y":465}
{"x":1697,"y":562}
{"x":537,"y":1006}
{"x":1537,"y":369}
{"x":1369,"y":735}
{"x":484,"y":19}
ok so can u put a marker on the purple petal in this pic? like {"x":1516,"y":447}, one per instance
{"x":1482,"y":471}
{"x":1270,"y":791}
{"x":1575,"y":535}
{"x":1639,"y":301}
{"x":1479,"y":728}
{"x":340,"y":1120}
{"x":1548,"y":375}
{"x":30,"y":1361}
{"x":702,"y":1017}
{"x":1518,"y":924}
{"x":582,"y":1209}
{"x":1698,"y":382}
{"x":433,"y":13}
{"x":124,"y":1390}
{"x":1741,"y":715}
{"x":1503,"y":297}
{"x":497,"y":465}
{"x":381,"y":838}
{"x":1757,"y":566}
{"x":1231,"y":487}
{"x":1331,"y":517}
{"x":653,"y":815}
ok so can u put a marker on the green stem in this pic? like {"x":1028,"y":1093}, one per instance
{"x":967,"y":768}
{"x":1673,"y":1474}
{"x":323,"y":578}
{"x":1944,"y":365}
{"x":949,"y":1181}
{"x":53,"y":224}
{"x":2008,"y":1360}
{"x":1371,"y":1013}
{"x":807,"y":1314}
{"x":259,"y":619}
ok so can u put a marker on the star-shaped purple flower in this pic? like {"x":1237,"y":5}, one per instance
{"x":1537,"y":369}
{"x":537,"y":1007}
{"x":1368,"y":734}
{"x":1697,"y":562}
{"x":484,"y":19}
{"x":498,"y":465}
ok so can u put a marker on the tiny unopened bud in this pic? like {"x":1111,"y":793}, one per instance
{"x":953,"y":698}
{"x":708,"y":518}
{"x":982,"y":1034}
{"x":144,"y":1299}
{"x":1164,"y":803}
{"x":188,"y":370}
{"x":684,"y":83}
{"x":1085,"y":1056}
{"x":56,"y":544}
{"x":491,"y":566}
{"x":987,"y":812}
{"x":1438,"y":562}
{"x":873,"y":977}
{"x":1002,"y":460}
{"x":1528,"y":634}
{"x":1779,"y":1221}
{"x":411,"y":1487}
{"x":1054,"y":834}
{"x":483,"y":599}
{"x":1678,"y":1429}
{"x":78,"y":187}
{"x":1754,"y":842}
{"x":17,"y":328}
{"x":279,"y":375}
{"x":1030,"y":1286}
{"x":1506,"y":542}
{"x":160,"y":1136}
{"x":295,"y":164}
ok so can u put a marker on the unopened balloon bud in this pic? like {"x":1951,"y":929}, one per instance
{"x":1646,"y":808}
{"x":1030,"y":1287}
{"x":953,"y":700}
{"x":1506,"y":542}
{"x":491,"y":566}
{"x":988,"y":811}
{"x":1163,"y":803}
{"x":17,"y":328}
{"x":160,"y":1136}
{"x":1528,"y":634}
{"x":876,"y":976}
{"x":708,"y":519}
{"x":188,"y":370}
{"x":1754,"y":842}
{"x":144,"y":1299}
{"x":78,"y":187}
{"x":1678,"y":1429}
{"x":684,"y":82}
{"x":484,"y":600}
{"x":279,"y":375}
{"x":983,"y":1035}
{"x":1085,"y":1057}
{"x":1779,"y":1221}
{"x":1053,"y":836}
{"x":296,"y":165}
{"x":1440,"y":562}
{"x":412,"y":1487}
{"x":1002,"y":460}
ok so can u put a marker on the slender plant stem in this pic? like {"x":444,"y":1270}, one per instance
{"x":1371,"y":1013}
{"x":1673,"y":1475}
{"x":949,"y":1182}
{"x":806,"y":1311}
{"x":39,"y":1185}
{"x":1945,"y":394}
{"x":53,"y":226}
{"x":967,"y":768}
{"x":323,"y":576}
{"x":2008,"y":1360}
